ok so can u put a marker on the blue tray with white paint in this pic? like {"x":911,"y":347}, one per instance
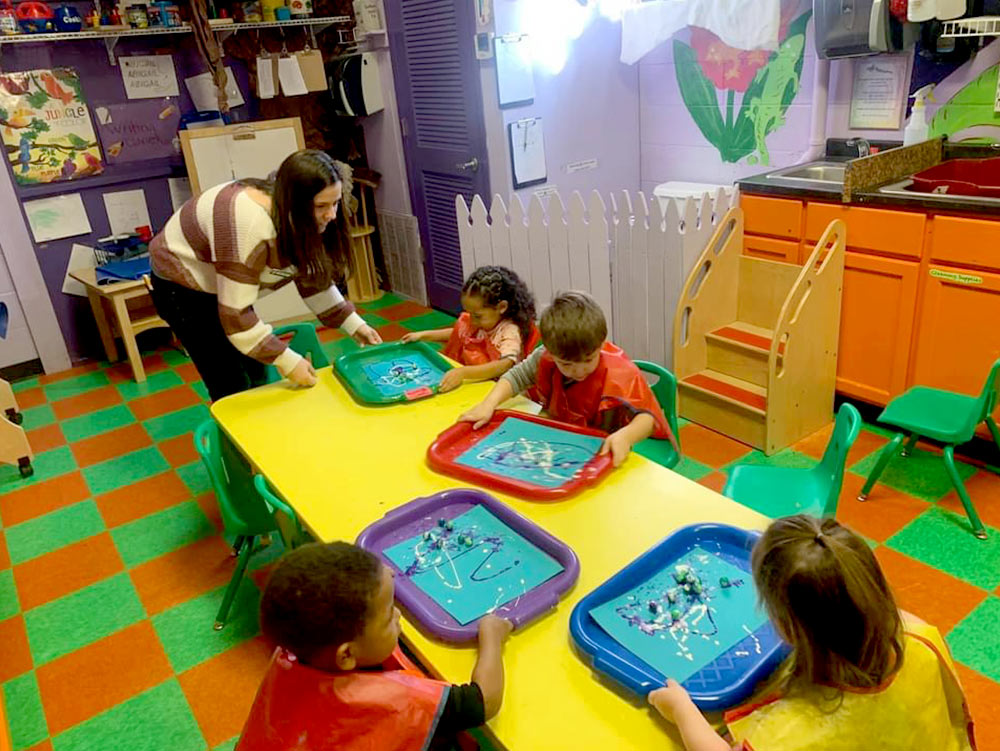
{"x":720,"y":673}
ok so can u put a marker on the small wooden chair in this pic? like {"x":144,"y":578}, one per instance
{"x":362,"y":286}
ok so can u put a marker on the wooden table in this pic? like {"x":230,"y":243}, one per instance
{"x":116,"y":296}
{"x":343,"y":466}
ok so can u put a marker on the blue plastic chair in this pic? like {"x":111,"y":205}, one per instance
{"x":305,"y":341}
{"x":782,"y":491}
{"x":665,"y":391}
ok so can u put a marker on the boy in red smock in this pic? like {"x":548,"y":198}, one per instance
{"x":582,"y":379}
{"x":338,"y":681}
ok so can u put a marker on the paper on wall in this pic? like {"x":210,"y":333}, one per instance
{"x":313,"y":73}
{"x":202,"y":90}
{"x":265,"y":77}
{"x":290,"y":76}
{"x":80,"y":257}
{"x":149,"y":76}
{"x":126,"y":211}
{"x":57,"y":217}
{"x":527,"y":150}
{"x":180,"y":191}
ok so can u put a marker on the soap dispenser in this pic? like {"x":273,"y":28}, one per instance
{"x":917,"y":129}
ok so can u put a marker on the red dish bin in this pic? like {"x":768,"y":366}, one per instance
{"x":961,"y":177}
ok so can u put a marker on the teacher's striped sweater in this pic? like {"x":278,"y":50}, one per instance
{"x":222,"y":242}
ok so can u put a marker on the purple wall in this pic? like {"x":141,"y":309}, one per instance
{"x":102,"y":85}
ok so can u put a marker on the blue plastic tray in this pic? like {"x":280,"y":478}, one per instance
{"x":726,"y":681}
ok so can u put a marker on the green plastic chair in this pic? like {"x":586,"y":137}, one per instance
{"x":305,"y":342}
{"x":941,"y":416}
{"x":299,"y":535}
{"x":665,"y":391}
{"x":244,"y":513}
{"x":782,"y":491}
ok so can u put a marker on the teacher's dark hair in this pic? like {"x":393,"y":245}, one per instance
{"x":320,"y":258}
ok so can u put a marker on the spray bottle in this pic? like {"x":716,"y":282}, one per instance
{"x":8,"y":20}
{"x":917,"y":129}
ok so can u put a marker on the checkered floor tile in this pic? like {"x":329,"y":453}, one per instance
{"x":113,"y":563}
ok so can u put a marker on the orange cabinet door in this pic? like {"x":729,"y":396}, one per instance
{"x":774,"y":217}
{"x":771,"y":249}
{"x":897,"y":233}
{"x":876,"y":321}
{"x":966,"y":242}
{"x":959,"y":338}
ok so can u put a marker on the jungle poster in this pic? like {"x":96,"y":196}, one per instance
{"x":47,"y":131}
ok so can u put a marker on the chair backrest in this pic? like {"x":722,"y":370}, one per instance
{"x":990,"y":394}
{"x":665,"y":391}
{"x":243,"y":511}
{"x":304,"y":341}
{"x":275,"y":503}
{"x":831,"y":466}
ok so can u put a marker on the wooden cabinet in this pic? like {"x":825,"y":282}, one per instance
{"x":876,"y":323}
{"x":965,"y":242}
{"x":770,"y":249}
{"x":879,"y":231}
{"x":772,"y":228}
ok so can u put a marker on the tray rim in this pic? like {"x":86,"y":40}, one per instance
{"x":341,"y":363}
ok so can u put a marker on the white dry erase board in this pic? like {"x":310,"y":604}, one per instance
{"x":527,"y":152}
{"x":234,"y":152}
{"x":515,"y":77}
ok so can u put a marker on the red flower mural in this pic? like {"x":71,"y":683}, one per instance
{"x":726,"y":67}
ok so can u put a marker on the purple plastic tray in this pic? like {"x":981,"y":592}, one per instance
{"x":422,"y":514}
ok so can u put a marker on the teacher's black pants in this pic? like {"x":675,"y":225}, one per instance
{"x":194,"y":318}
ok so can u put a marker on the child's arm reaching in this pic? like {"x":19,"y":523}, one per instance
{"x":620,"y":442}
{"x":676,"y":706}
{"x":454,"y":377}
{"x":488,"y":672}
{"x":432,"y":335}
{"x":482,"y":412}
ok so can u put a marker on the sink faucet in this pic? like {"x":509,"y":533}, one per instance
{"x":864,"y":148}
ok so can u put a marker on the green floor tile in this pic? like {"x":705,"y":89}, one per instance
{"x":691,"y":469}
{"x":922,"y":475}
{"x":786,"y":459}
{"x":25,"y":716}
{"x":161,"y":381}
{"x":160,"y":533}
{"x":385,"y":301}
{"x":656,"y":450}
{"x":75,"y":386}
{"x":201,"y":390}
{"x":176,"y":423}
{"x":681,"y":422}
{"x":124,"y":470}
{"x":54,"y":530}
{"x":945,"y":541}
{"x":24,"y":384}
{"x":81,"y":618}
{"x":173,"y":358}
{"x":195,"y":476}
{"x":186,"y":631}
{"x":48,"y":464}
{"x":155,"y":720}
{"x":374,"y":319}
{"x":228,"y":745}
{"x":339,"y":347}
{"x":975,"y":641}
{"x":9,"y":604}
{"x":101,"y":421}
{"x":433,"y":320}
{"x":37,"y":417}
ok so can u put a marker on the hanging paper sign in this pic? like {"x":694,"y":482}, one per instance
{"x":139,"y":130}
{"x":46,"y":126}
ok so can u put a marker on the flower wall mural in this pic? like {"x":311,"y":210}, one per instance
{"x":710,"y":74}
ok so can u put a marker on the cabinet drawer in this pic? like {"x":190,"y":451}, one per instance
{"x":969,"y":242}
{"x":898,"y":233}
{"x":776,"y":217}
{"x":770,"y":249}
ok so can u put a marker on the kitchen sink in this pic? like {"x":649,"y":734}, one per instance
{"x":908,"y":189}
{"x":822,"y":172}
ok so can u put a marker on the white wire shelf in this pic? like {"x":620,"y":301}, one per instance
{"x":979,"y":26}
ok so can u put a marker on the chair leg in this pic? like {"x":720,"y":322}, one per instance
{"x":994,"y":430}
{"x":238,"y":545}
{"x":883,"y":459}
{"x":949,"y":461}
{"x":908,"y":446}
{"x":234,"y":583}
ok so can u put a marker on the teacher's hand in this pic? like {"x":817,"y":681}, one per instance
{"x":366,"y":335}
{"x":303,"y":374}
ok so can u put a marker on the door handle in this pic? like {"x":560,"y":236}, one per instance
{"x":471,"y":165}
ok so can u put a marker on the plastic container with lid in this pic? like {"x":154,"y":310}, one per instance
{"x":682,"y":191}
{"x":8,"y":20}
{"x":961,"y":177}
{"x":35,"y":17}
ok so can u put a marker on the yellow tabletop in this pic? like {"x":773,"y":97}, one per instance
{"x":342,"y":466}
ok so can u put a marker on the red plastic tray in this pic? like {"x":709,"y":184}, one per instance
{"x":961,"y":177}
{"x":457,"y":439}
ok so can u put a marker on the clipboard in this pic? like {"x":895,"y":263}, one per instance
{"x":527,"y":152}
{"x":515,"y":77}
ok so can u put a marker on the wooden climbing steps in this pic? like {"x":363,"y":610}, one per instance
{"x":14,"y":447}
{"x":734,"y":374}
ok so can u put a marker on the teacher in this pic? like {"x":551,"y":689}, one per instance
{"x":221,"y":249}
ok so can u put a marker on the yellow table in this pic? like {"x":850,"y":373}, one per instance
{"x":342,"y":466}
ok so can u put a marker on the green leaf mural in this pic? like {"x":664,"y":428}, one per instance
{"x":764,"y":102}
{"x":972,"y":106}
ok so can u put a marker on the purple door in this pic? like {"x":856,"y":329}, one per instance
{"x":444,"y":139}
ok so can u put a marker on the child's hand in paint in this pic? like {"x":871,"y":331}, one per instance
{"x":671,"y":700}
{"x":494,"y":630}
{"x":452,"y":379}
{"x":619,"y":444}
{"x":478,"y":415}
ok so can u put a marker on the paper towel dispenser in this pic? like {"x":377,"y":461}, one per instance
{"x":849,"y":28}
{"x":355,"y":84}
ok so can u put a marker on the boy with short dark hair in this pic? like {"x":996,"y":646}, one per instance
{"x":338,"y":679}
{"x":582,"y":379}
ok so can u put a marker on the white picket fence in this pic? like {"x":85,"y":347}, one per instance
{"x":631,"y":254}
